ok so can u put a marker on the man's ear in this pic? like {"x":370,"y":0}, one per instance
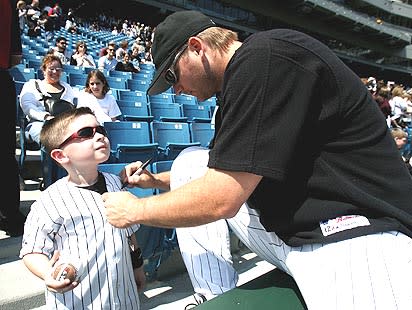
{"x":59,"y":156}
{"x":195,"y":44}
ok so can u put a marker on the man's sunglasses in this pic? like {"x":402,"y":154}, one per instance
{"x":85,"y":133}
{"x":170,"y":74}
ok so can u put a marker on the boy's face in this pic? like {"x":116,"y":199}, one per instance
{"x":89,"y":147}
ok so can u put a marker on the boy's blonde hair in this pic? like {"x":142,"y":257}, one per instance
{"x":54,"y":130}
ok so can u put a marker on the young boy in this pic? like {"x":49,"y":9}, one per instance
{"x":68,"y":220}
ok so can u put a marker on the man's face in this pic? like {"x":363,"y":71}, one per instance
{"x":61,"y":45}
{"x":111,"y":52}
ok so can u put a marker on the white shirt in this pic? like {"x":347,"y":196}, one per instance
{"x":105,"y":109}
{"x":105,"y":63}
{"x":72,"y":220}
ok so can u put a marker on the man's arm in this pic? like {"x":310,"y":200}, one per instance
{"x":217,"y":195}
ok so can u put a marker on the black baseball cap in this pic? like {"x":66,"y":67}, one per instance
{"x":170,"y":35}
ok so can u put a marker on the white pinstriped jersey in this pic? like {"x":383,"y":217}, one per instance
{"x":72,"y":220}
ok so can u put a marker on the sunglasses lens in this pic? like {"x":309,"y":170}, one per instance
{"x":86,"y":132}
{"x":101,"y":130}
{"x":170,"y":77}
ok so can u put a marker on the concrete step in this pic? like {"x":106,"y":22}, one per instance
{"x":19,"y":288}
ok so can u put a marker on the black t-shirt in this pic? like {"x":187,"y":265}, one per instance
{"x":294,"y":113}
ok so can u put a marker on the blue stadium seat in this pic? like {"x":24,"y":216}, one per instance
{"x":133,"y":96}
{"x":116,"y":82}
{"x":162,"y":98}
{"x":73,"y":69}
{"x":172,"y":138}
{"x":197,"y":113}
{"x":115,"y":168}
{"x":167,"y":112}
{"x":121,"y":74}
{"x":202,"y":133}
{"x":22,"y":74}
{"x":135,"y":111}
{"x":186,"y":99}
{"x":77,"y":79}
{"x":161,"y":166}
{"x":130,"y":141}
{"x":135,"y":84}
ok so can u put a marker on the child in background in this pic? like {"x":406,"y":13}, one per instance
{"x":69,"y":219}
{"x":96,"y":96}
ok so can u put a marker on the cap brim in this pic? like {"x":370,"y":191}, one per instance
{"x":159,"y":84}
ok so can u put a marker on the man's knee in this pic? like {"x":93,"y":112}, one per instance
{"x":190,"y":164}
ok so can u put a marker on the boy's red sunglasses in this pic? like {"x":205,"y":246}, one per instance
{"x":84,"y":133}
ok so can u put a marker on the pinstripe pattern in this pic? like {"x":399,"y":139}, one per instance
{"x":72,"y":220}
{"x":368,"y":272}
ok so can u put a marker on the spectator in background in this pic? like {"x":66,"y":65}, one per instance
{"x":22,"y":13}
{"x":126,"y":65}
{"x":398,"y":106}
{"x":81,"y":57}
{"x":60,"y":50}
{"x":45,"y":25}
{"x":108,"y":62}
{"x":33,"y":14}
{"x":56,"y":15}
{"x":96,"y":96}
{"x":121,"y":50}
{"x":401,"y":139}
{"x":35,"y":91}
{"x":135,"y":58}
{"x":11,"y":220}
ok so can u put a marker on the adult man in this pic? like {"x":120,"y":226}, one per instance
{"x":302,"y":165}
{"x":108,"y":62}
{"x":11,"y":220}
{"x":60,"y":50}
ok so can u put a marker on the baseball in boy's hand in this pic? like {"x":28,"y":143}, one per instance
{"x":64,"y":271}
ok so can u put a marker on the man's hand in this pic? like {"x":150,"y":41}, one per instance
{"x":120,"y":208}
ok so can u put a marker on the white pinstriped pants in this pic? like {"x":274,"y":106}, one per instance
{"x":368,"y":272}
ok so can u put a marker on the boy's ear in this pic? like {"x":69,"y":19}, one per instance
{"x":59,"y":156}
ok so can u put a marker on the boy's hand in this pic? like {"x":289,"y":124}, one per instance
{"x":54,"y":285}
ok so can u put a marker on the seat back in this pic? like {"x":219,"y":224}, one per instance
{"x":116,"y":82}
{"x":186,"y":99}
{"x":195,"y":112}
{"x":167,"y":112}
{"x":115,"y":168}
{"x":162,"y":98}
{"x":172,"y":138}
{"x":137,"y":84}
{"x":137,"y":96}
{"x":134,"y":111}
{"x":202,"y":132}
{"x":77,"y":79}
{"x":161,"y":166}
{"x":121,"y":74}
{"x":22,"y":74}
{"x":130,"y":141}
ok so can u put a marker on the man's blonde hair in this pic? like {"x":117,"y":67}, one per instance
{"x":218,"y":38}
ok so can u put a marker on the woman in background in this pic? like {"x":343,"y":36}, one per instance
{"x":81,"y":58}
{"x":34,"y":91}
{"x":126,"y":65}
{"x":96,"y":96}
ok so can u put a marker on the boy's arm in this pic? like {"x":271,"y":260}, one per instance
{"x":41,"y":266}
{"x":38,"y":264}
{"x":137,"y":259}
